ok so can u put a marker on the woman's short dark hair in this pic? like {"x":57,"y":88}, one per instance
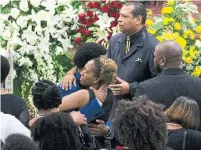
{"x":56,"y":131}
{"x":19,"y":142}
{"x":184,"y":111}
{"x":46,"y":95}
{"x":142,"y":126}
{"x":5,"y":68}
{"x":87,"y":52}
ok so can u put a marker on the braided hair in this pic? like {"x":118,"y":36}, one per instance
{"x":46,"y":95}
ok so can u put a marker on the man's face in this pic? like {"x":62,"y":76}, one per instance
{"x":87,"y":75}
{"x":127,"y":23}
{"x":157,"y":58}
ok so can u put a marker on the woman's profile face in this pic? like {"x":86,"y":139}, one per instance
{"x":88,"y":78}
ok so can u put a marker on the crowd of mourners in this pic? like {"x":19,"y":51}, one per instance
{"x":134,"y":95}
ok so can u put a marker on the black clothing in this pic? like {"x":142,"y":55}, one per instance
{"x":15,"y":106}
{"x":175,"y":139}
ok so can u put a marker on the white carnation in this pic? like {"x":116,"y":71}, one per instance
{"x":6,"y":35}
{"x":24,"y":5}
{"x":22,"y":21}
{"x":15,"y":12}
{"x":35,"y":3}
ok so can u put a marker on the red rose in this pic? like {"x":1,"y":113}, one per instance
{"x":114,"y":24}
{"x":78,"y":40}
{"x":117,"y":16}
{"x":109,"y":36}
{"x":95,"y":19}
{"x":105,"y":9}
{"x":82,"y":21}
{"x":112,"y":4}
{"x":96,"y":5}
{"x":90,"y":5}
{"x":118,"y":5}
{"x":89,"y":22}
{"x":112,"y":13}
{"x":81,"y":16}
{"x":89,"y":13}
{"x":86,"y":32}
{"x":81,"y":30}
{"x":100,"y":42}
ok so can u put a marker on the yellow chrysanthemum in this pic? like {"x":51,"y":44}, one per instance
{"x":198,"y":29}
{"x":177,"y":26}
{"x":185,"y":53}
{"x":188,"y":60}
{"x":149,"y":22}
{"x":151,"y":31}
{"x":168,"y":36}
{"x":159,"y":38}
{"x":189,"y":33}
{"x":193,"y":52}
{"x":200,"y":36}
{"x":167,"y":20}
{"x":170,"y":2}
{"x":181,"y":41}
{"x":167,"y":10}
{"x":196,"y":72}
{"x":149,"y":12}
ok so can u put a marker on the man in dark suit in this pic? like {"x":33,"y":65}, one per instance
{"x":132,"y":50}
{"x":172,"y":82}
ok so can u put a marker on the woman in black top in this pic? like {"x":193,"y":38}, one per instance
{"x":184,"y":119}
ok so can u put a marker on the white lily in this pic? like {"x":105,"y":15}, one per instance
{"x":104,"y":21}
{"x":6,"y":34}
{"x":59,"y":50}
{"x":30,"y":36}
{"x":25,"y":61}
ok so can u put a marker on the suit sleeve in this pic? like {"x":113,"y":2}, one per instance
{"x":132,"y":88}
{"x":109,"y":49}
{"x":139,"y":90}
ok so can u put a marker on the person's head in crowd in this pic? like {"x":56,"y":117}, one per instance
{"x":132,"y":17}
{"x":97,"y":72}
{"x":56,"y":131}
{"x":87,"y":52}
{"x":168,"y":54}
{"x":46,"y":95}
{"x":185,"y":112}
{"x":19,"y":142}
{"x":142,"y":126}
{"x":5,"y":68}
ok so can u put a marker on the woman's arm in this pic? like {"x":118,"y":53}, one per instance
{"x":75,"y":100}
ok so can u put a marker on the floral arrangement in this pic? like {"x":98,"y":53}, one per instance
{"x":177,"y":22}
{"x":98,"y":21}
{"x":37,"y":33}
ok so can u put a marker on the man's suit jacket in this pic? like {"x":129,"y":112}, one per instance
{"x":170,"y":84}
{"x":138,"y":64}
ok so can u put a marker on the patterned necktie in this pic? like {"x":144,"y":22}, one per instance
{"x":127,"y":44}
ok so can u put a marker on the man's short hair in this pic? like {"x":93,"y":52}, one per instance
{"x":138,"y":10}
{"x":87,"y":52}
{"x":5,"y":68}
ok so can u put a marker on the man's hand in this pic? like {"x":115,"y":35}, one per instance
{"x":101,"y":93}
{"x":121,"y":88}
{"x":78,"y":118}
{"x":99,"y":129}
{"x":67,"y":82}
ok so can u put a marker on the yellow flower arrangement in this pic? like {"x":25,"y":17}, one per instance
{"x":149,"y":22}
{"x":177,"y":23}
